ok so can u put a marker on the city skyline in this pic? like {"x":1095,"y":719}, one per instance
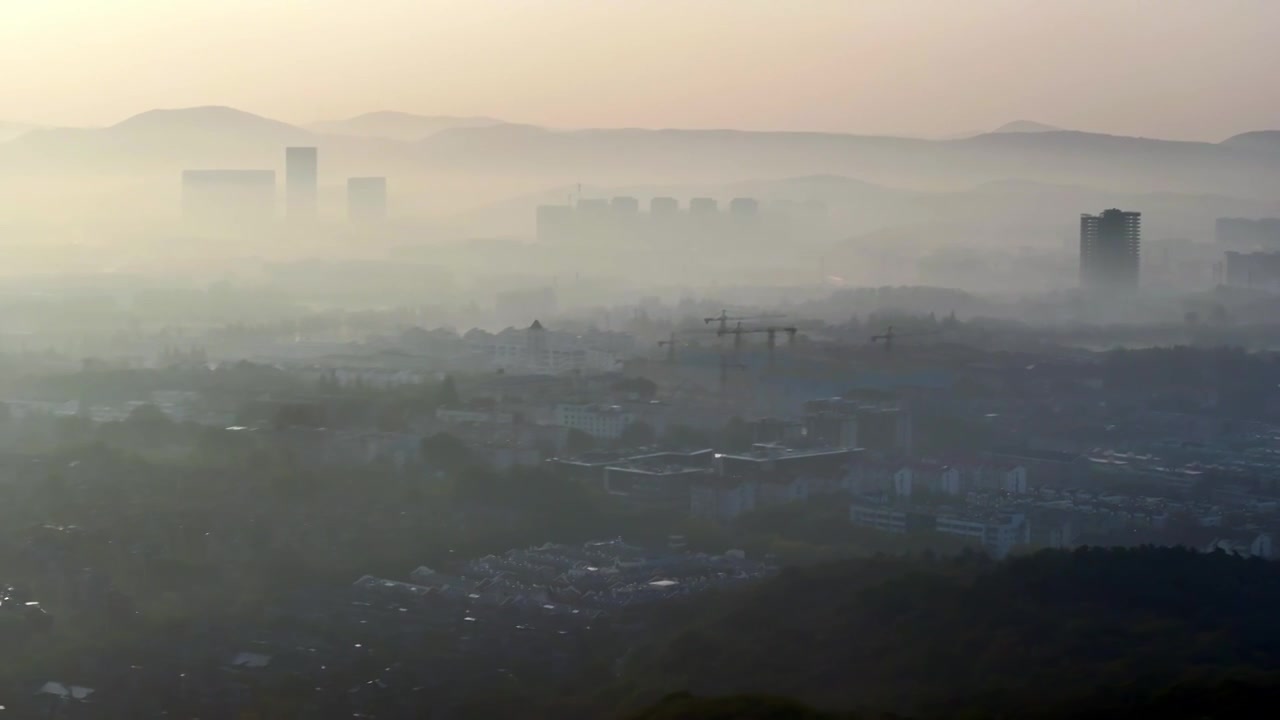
{"x":864,"y":68}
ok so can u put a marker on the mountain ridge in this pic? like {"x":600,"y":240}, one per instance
{"x":1025,"y":126}
{"x":396,"y":125}
{"x":216,"y":136}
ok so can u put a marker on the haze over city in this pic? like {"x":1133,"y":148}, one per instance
{"x":1187,"y":70}
{"x":640,"y":359}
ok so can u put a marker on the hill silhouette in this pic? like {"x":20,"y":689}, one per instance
{"x":1194,"y":701}
{"x":11,"y":130}
{"x":1025,"y":126}
{"x":1116,"y":162}
{"x":527,"y":157}
{"x":1268,"y":140}
{"x":392,"y":125}
{"x":926,"y":638}
{"x":210,"y":136}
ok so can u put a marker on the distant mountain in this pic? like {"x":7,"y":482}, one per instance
{"x":1268,"y":140}
{"x":401,"y":126}
{"x":11,"y":130}
{"x":492,"y":158}
{"x":199,"y":122}
{"x":188,"y":137}
{"x":700,"y":156}
{"x":1025,"y":126}
{"x":167,"y":141}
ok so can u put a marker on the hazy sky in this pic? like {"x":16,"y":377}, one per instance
{"x":1195,"y":69}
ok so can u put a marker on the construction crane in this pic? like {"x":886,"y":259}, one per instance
{"x":725,"y":364}
{"x":771,"y":331}
{"x":724,"y":373}
{"x":889,"y":336}
{"x":724,"y":319}
{"x":670,"y":343}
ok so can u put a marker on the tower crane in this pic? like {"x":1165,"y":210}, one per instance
{"x":771,"y":331}
{"x":670,"y":343}
{"x":724,"y":319}
{"x":889,"y":335}
{"x":725,"y":365}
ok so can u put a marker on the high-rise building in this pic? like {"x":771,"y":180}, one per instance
{"x":300,"y":179}
{"x":1254,"y":270}
{"x":702,"y":206}
{"x":593,"y":207}
{"x":366,"y":199}
{"x":625,"y":205}
{"x":554,"y":223}
{"x":1109,"y":250}
{"x":1244,"y":234}
{"x":744,"y":207}
{"x":228,"y":198}
{"x":664,"y":206}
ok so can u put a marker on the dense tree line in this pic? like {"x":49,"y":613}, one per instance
{"x":1102,"y":629}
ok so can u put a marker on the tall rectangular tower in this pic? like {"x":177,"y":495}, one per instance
{"x":300,"y":178}
{"x":1110,"y":245}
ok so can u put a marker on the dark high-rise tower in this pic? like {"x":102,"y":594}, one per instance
{"x":300,"y":173}
{"x":1109,"y":250}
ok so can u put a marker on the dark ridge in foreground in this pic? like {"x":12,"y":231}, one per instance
{"x":930,"y":638}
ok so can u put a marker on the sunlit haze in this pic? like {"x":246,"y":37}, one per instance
{"x":639,"y":359}
{"x":1181,"y":69}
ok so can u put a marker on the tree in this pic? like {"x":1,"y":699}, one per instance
{"x":446,"y":452}
{"x":73,"y":430}
{"x":737,"y":435}
{"x":637,"y":434}
{"x":447,"y":394}
{"x":683,"y":437}
{"x":298,"y":415}
{"x":578,"y":442}
{"x":148,"y":415}
{"x":643,"y":388}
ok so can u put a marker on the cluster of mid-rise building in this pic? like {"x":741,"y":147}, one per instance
{"x":1251,"y":252}
{"x":701,"y":221}
{"x":249,"y":197}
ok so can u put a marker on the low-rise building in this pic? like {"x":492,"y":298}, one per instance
{"x":605,"y":422}
{"x":998,"y":535}
{"x":652,"y":485}
{"x":722,"y":498}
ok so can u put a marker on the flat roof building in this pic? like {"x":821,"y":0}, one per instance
{"x":625,"y":205}
{"x":554,"y":223}
{"x":664,"y":206}
{"x":744,"y":207}
{"x":703,"y":206}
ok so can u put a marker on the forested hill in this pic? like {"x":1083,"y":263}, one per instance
{"x":1230,"y":700}
{"x":1107,"y":629}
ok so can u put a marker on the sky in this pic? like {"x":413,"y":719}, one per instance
{"x":1181,"y":69}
